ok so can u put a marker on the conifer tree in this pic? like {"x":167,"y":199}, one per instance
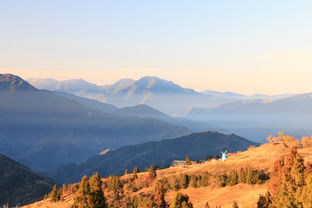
{"x":135,"y":172}
{"x":235,"y":204}
{"x":207,"y":205}
{"x":193,"y":181}
{"x":184,"y":181}
{"x":181,"y":201}
{"x":287,"y":181}
{"x":97,"y":199}
{"x":188,"y":160}
{"x":64,"y":189}
{"x":115,"y":185}
{"x":82,"y":198}
{"x":126,"y":171}
{"x":232,"y":179}
{"x":306,"y":194}
{"x":159,"y":197}
{"x":152,"y":172}
{"x":241,"y":176}
{"x":265,"y":201}
{"x":55,"y":193}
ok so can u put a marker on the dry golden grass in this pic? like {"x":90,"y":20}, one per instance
{"x":66,"y":203}
{"x":246,"y":195}
{"x":262,"y":157}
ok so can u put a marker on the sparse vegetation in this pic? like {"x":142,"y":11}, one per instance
{"x":290,"y":178}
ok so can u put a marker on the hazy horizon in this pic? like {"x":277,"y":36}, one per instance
{"x":139,"y":77}
{"x":249,"y":47}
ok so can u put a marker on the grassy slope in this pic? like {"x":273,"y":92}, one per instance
{"x":246,"y":195}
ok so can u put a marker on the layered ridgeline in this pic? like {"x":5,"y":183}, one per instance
{"x":161,"y":94}
{"x":197,"y":145}
{"x":20,"y":185}
{"x":145,"y":111}
{"x":89,"y":103}
{"x":254,"y":117}
{"x":44,"y":130}
{"x":258,"y":118}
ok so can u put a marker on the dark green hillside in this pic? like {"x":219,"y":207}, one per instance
{"x":19,"y":184}
{"x":162,"y":153}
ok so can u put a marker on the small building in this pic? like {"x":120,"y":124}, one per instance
{"x":178,"y":163}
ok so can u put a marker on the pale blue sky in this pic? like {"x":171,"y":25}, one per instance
{"x":249,"y":46}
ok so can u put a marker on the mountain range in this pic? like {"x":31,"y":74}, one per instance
{"x":254,"y":117}
{"x":19,"y":185}
{"x":161,"y":153}
{"x":260,"y":117}
{"x":158,"y":93}
{"x":44,"y":130}
{"x":145,"y":111}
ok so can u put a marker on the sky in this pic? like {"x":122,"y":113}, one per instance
{"x":245,"y":46}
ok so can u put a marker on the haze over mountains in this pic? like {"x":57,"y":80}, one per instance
{"x":197,"y":145}
{"x":163,"y":95}
{"x":260,"y":117}
{"x":145,"y":111}
{"x":37,"y":126}
{"x":62,"y":132}
{"x":253,"y":117}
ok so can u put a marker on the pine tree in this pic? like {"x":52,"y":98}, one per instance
{"x":184,"y":181}
{"x":287,"y":181}
{"x":207,"y":205}
{"x":308,"y":168}
{"x":115,"y":185}
{"x":135,"y":172}
{"x":152,"y":172}
{"x":126,"y":171}
{"x":242,"y":175}
{"x":265,"y":201}
{"x":97,"y":199}
{"x":64,"y":189}
{"x":193,"y":181}
{"x":159,"y":197}
{"x":306,"y":194}
{"x":55,"y":193}
{"x":188,"y":160}
{"x":232,"y":178}
{"x":235,"y":204}
{"x":82,"y":198}
{"x":181,"y":201}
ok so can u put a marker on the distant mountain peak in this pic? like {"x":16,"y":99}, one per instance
{"x":71,"y":85}
{"x":154,"y":79}
{"x":10,"y":82}
{"x":141,"y":110}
